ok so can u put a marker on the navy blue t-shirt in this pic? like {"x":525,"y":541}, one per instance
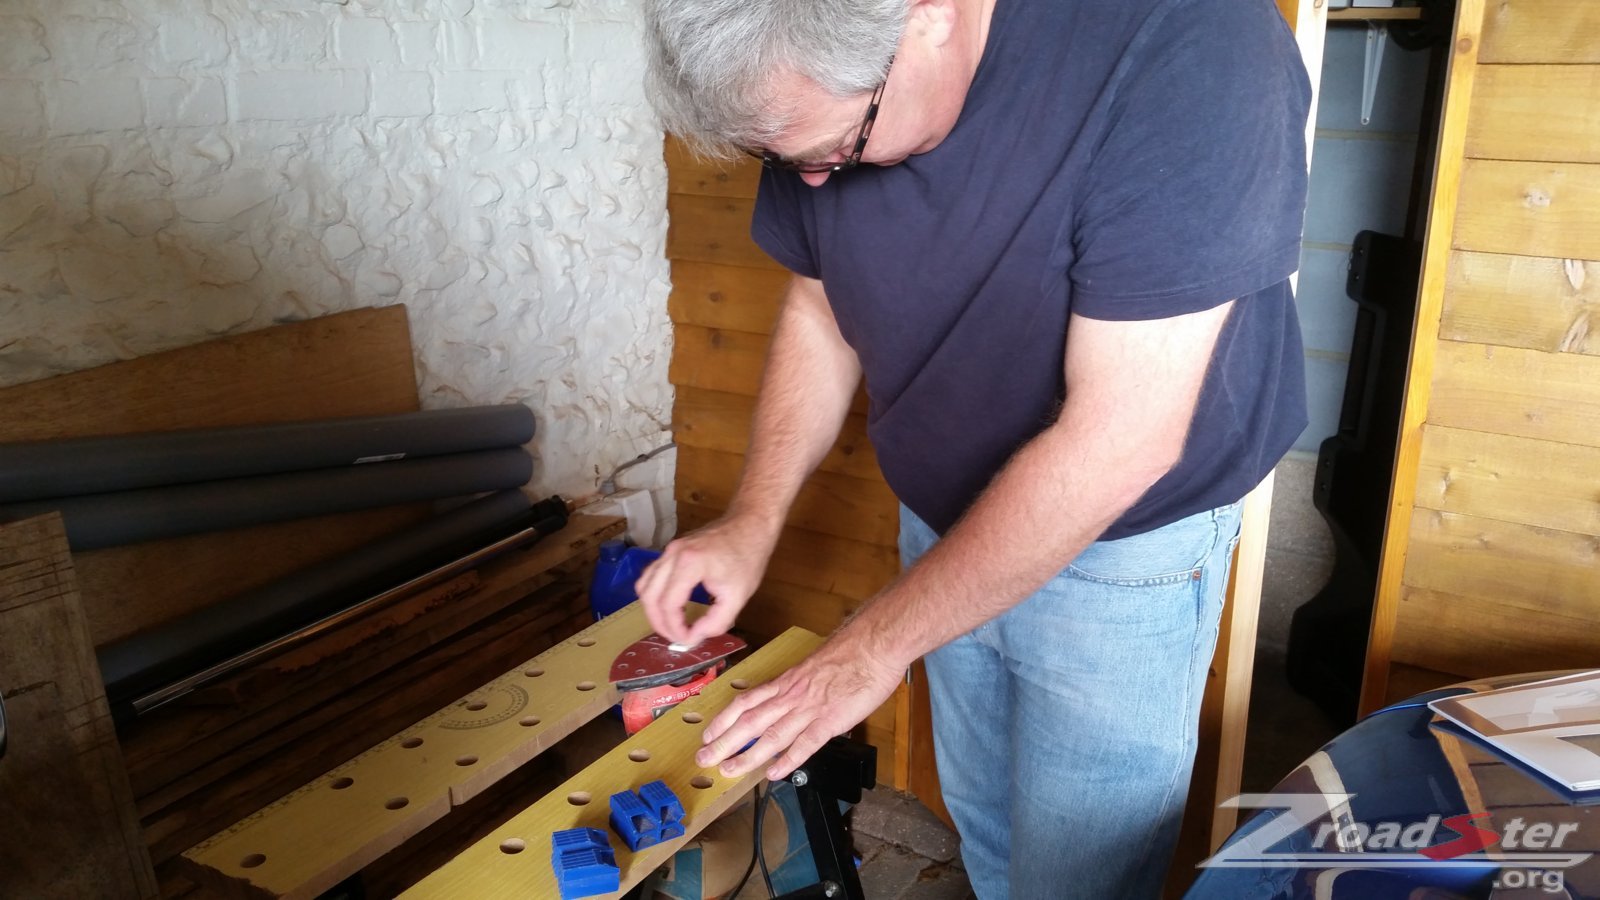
{"x":1136,"y":159}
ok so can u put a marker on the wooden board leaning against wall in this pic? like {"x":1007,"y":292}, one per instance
{"x":1489,"y":560}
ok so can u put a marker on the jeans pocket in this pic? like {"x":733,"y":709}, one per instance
{"x":1170,"y":554}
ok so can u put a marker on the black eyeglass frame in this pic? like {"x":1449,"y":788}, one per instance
{"x":774,"y":161}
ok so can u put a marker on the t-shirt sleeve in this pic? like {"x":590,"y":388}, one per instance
{"x":780,"y":224}
{"x":1196,"y":191}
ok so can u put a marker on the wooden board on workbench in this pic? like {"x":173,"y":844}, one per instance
{"x":350,"y":364}
{"x":71,"y":830}
{"x":310,"y":840}
{"x":514,"y":860}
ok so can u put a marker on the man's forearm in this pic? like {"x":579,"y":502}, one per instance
{"x":1058,"y":493}
{"x":810,"y":378}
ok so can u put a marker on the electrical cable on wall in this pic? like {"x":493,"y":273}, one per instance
{"x":609,"y":485}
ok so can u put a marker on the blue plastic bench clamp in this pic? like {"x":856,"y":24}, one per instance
{"x":662,"y":801}
{"x":634,"y":821}
{"x":583,"y":863}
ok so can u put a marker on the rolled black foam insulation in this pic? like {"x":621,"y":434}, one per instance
{"x":203,"y":638}
{"x":129,"y":517}
{"x":69,"y":468}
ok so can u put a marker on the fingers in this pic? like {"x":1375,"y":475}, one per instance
{"x":736,"y":708}
{"x":807,"y":743}
{"x":717,"y":620}
{"x":653,"y":596}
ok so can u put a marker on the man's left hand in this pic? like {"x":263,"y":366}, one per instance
{"x":796,"y":713}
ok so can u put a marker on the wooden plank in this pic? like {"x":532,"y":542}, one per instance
{"x":1407,"y":681}
{"x":1506,"y":390}
{"x":1376,"y":14}
{"x":1541,"y":31}
{"x":1473,"y":637}
{"x":735,"y":298}
{"x":321,"y":834}
{"x":776,"y":606}
{"x":1472,"y":557}
{"x":717,"y":420}
{"x":848,"y":568}
{"x":839,"y":505}
{"x":1529,"y":208}
{"x":353,"y":363}
{"x":189,"y":746}
{"x":1536,"y":113}
{"x":711,"y":178}
{"x":1219,"y":752}
{"x":72,"y":827}
{"x":369,"y":712}
{"x":713,"y":230}
{"x":514,"y":861}
{"x":1512,"y":479}
{"x":1551,"y":305}
{"x":1442,"y":207}
{"x":728,"y":361}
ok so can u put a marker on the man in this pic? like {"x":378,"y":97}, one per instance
{"x":1054,"y":236}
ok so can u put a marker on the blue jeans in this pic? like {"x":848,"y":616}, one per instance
{"x":1065,"y":727}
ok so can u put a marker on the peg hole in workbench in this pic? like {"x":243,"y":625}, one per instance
{"x":477,"y":705}
{"x":586,"y":642}
{"x":700,"y":782}
{"x":466,"y":761}
{"x":738,"y":684}
{"x":528,"y":721}
{"x":397,"y":803}
{"x":640,"y":755}
{"x":411,"y":743}
{"x":534,"y":672}
{"x":693,"y":718}
{"x":585,"y":685}
{"x":579,"y":798}
{"x":251,"y":861}
{"x":340,"y":784}
{"x":513,"y":845}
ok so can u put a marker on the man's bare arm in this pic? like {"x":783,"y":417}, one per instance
{"x":810,"y":378}
{"x":1131,"y":394}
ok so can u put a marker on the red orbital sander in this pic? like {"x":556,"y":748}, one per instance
{"x":652,"y":677}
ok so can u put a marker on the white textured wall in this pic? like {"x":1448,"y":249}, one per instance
{"x":176,"y":169}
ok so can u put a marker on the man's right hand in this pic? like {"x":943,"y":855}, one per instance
{"x":728,"y":556}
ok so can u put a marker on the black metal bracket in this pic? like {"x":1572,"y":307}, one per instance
{"x":839,"y":771}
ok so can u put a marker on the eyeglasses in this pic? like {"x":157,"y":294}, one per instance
{"x":774,"y":161}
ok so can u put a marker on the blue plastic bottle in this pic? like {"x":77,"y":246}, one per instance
{"x":619,"y":567}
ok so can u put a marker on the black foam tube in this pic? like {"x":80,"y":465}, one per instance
{"x":70,"y":468}
{"x":128,"y":517}
{"x":207,"y":636}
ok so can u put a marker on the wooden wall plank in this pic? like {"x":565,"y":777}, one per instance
{"x":712,"y":178}
{"x":1508,"y":390}
{"x":1448,"y":633}
{"x":1541,"y":31}
{"x":1443,"y":200}
{"x":822,"y":562}
{"x":776,"y":606}
{"x":715,"y":420}
{"x":737,"y":298}
{"x":72,"y":830}
{"x":348,"y":364}
{"x":727,"y":361}
{"x":1523,"y":301}
{"x":1530,"y":208}
{"x":1469,"y":556}
{"x":1536,"y":113}
{"x":833,"y":504}
{"x":1513,"y":479}
{"x":713,"y":230}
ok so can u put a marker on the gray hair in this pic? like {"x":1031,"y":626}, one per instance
{"x":712,"y":62}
